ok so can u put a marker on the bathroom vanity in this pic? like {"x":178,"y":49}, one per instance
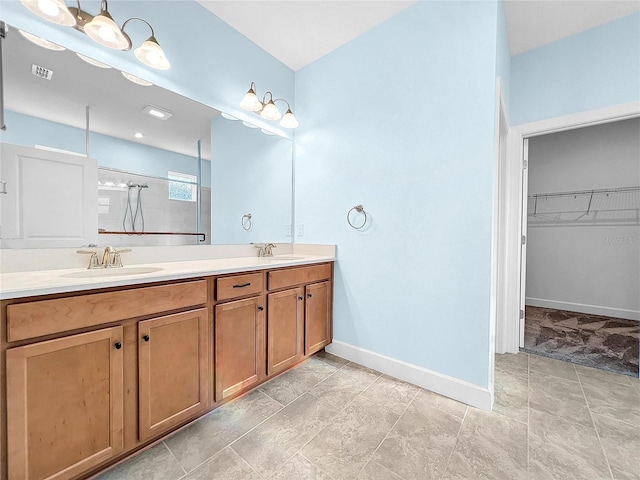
{"x":93,"y":371}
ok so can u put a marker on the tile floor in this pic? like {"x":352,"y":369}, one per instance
{"x":329,"y":419}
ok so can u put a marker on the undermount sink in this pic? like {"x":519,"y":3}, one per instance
{"x":111,"y":272}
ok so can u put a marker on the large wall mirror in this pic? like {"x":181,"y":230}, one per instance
{"x":166,"y":169}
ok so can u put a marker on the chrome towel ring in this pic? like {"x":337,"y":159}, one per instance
{"x":359,"y":209}
{"x":247,"y":224}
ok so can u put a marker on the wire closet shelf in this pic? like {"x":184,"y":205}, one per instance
{"x":598,"y":206}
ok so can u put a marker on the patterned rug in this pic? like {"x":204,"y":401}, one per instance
{"x":591,"y":340}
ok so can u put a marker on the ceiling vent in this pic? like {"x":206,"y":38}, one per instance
{"x":41,"y":72}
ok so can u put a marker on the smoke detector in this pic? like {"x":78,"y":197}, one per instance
{"x":41,"y":72}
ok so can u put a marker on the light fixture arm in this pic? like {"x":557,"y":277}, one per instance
{"x":264,"y":97}
{"x":282,"y":100}
{"x":142,"y":20}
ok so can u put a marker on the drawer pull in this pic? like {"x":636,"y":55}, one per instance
{"x":243,"y":285}
{"x":261,"y":308}
{"x":118,"y":345}
{"x":146,"y":338}
{"x":300,"y":298}
{"x":309,"y":295}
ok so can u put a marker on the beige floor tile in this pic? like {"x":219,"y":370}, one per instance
{"x":612,"y":400}
{"x":559,"y":397}
{"x":603,"y":375}
{"x":290,"y":385}
{"x":513,"y":362}
{"x":559,"y":449}
{"x":549,"y":366}
{"x":332,"y":360}
{"x":420,"y":443}
{"x":207,"y":436}
{"x":157,"y":463}
{"x":299,"y":468}
{"x":441,"y":403}
{"x":226,"y":465}
{"x":489,"y":446}
{"x":511,"y":396}
{"x":274,"y":442}
{"x":344,"y":447}
{"x":621,"y":443}
{"x":375,"y":471}
{"x":391,"y":393}
{"x":342,"y":387}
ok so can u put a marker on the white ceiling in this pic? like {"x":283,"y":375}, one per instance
{"x":298,"y":32}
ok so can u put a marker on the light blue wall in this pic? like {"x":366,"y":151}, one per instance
{"x":503,"y":55}
{"x":109,"y":151}
{"x":401,"y":119}
{"x":593,"y":69}
{"x":210,"y":62}
{"x":251,"y":173}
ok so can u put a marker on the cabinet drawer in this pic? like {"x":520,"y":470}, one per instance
{"x":297,"y":276}
{"x":46,"y":317}
{"x":238,"y":286}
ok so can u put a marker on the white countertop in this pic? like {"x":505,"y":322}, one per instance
{"x":30,"y":284}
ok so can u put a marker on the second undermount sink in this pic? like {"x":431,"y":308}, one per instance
{"x":111,"y":272}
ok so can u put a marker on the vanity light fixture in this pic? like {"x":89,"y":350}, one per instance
{"x":139,"y":135}
{"x":136,"y":80}
{"x":92,"y":61}
{"x":157,"y":112}
{"x":101,"y":28}
{"x":268,"y":109}
{"x":41,"y":42}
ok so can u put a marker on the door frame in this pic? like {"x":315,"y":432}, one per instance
{"x":516,"y":196}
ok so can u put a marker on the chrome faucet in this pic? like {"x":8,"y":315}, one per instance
{"x":268,"y":249}
{"x":106,"y":257}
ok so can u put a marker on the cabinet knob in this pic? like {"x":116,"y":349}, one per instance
{"x":261,"y":308}
{"x":300,"y":298}
{"x":145,"y":338}
{"x":309,"y":295}
{"x":118,"y":345}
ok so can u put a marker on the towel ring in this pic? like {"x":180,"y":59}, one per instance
{"x":359,"y":209}
{"x":247,"y":224}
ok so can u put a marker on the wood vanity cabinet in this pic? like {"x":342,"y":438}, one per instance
{"x":172,"y":370}
{"x":239,"y":334}
{"x":91,"y":377}
{"x":65,"y":404}
{"x":299,"y":318}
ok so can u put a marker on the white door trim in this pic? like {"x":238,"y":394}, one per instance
{"x":514,"y":191}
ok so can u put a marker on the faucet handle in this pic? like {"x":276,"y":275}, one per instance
{"x":124,"y":250}
{"x":261,"y":247}
{"x":93,"y":260}
{"x":268,"y":249}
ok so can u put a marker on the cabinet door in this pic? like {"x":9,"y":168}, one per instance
{"x":64,"y":405}
{"x":239,"y":345}
{"x":317,"y":317}
{"x":173,"y":370}
{"x":285,"y":327}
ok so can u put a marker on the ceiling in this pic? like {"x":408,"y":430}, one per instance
{"x":298,"y":32}
{"x":115,"y":103}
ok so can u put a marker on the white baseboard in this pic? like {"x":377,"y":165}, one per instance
{"x":583,"y":308}
{"x":474,"y":395}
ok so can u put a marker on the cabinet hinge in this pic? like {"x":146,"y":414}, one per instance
{"x":525,"y":164}
{"x":521,"y":314}
{"x":523,"y":240}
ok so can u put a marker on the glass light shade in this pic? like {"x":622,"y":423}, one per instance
{"x":270,"y":111}
{"x":136,"y":80}
{"x":53,"y":10}
{"x":103,"y":29}
{"x":251,"y":102}
{"x":289,"y":120}
{"x":151,"y":54}
{"x":41,"y":42}
{"x":250,"y":125}
{"x":92,"y":61}
{"x":227,"y":116}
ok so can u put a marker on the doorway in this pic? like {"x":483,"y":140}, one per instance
{"x":581,"y":247}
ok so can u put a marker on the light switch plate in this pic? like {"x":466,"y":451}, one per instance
{"x":300,"y":230}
